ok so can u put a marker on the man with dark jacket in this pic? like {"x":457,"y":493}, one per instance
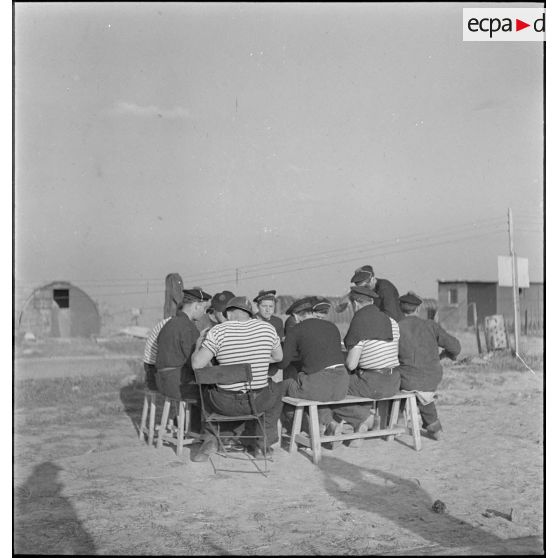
{"x":388,"y":297}
{"x":265,"y":300}
{"x":316,"y":344}
{"x":176,"y":343}
{"x":420,"y":368}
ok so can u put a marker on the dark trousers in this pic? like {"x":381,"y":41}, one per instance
{"x":150,"y":376}
{"x":428,"y":413}
{"x":330,"y":384}
{"x":374,"y":385}
{"x":176,"y":383}
{"x":231,"y":403}
{"x":292,"y":371}
{"x":171,"y":382}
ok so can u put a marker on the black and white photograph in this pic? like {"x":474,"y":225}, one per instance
{"x":279,"y":278}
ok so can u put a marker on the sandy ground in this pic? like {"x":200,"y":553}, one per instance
{"x":85,"y":484}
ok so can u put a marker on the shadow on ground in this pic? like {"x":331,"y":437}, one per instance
{"x":46,"y":520}
{"x":403,"y":502}
{"x":131,"y":396}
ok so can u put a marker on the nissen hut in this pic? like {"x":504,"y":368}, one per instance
{"x":59,"y":309}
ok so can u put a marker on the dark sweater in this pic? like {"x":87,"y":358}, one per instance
{"x":389,"y":299}
{"x":419,"y":353}
{"x":276,"y":322}
{"x":315,"y":342}
{"x":176,"y":343}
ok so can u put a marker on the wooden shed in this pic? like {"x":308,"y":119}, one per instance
{"x":59,"y":309}
{"x":456,"y":298}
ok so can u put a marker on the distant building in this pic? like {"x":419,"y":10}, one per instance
{"x":59,"y":309}
{"x":456,"y":298}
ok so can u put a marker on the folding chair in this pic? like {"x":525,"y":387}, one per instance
{"x":230,"y":374}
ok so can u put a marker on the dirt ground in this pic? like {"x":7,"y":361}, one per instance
{"x":84,"y":484}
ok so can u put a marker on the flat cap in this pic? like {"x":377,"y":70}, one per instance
{"x":241,"y":303}
{"x":362,"y":273}
{"x":364,"y":290}
{"x":265,"y":295}
{"x":195,"y":294}
{"x":301,"y":305}
{"x":320,"y":304}
{"x":220,"y":300}
{"x":410,"y":298}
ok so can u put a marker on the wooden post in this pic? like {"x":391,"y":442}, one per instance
{"x":516,"y":319}
{"x":475,"y":322}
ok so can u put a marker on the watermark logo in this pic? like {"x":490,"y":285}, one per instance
{"x":503,"y":24}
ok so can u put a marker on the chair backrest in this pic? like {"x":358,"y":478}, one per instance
{"x":224,"y":374}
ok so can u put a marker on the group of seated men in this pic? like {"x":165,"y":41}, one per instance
{"x":387,"y":347}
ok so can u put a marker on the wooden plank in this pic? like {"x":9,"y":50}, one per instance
{"x":295,"y":402}
{"x":370,"y":434}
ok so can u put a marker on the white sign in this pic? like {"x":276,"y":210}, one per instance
{"x":505,"y":277}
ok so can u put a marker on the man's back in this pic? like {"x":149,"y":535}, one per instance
{"x":419,"y":345}
{"x":389,"y":299}
{"x":236,"y":342}
{"x":378,"y":354}
{"x":315,"y":342}
{"x":176,"y":341}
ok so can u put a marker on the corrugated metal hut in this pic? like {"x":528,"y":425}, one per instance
{"x":456,"y":298}
{"x":59,"y":309}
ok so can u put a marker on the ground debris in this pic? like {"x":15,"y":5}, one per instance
{"x":439,"y":507}
{"x":512,"y":516}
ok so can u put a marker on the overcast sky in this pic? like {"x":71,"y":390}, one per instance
{"x":291,"y":142}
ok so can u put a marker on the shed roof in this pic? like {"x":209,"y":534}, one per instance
{"x":445,"y":281}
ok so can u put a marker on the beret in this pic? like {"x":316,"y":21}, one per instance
{"x":195,"y":294}
{"x":265,"y":295}
{"x":410,"y":298}
{"x":240,"y":302}
{"x":362,"y":273}
{"x":301,"y":305}
{"x":320,"y":304}
{"x":220,"y":300}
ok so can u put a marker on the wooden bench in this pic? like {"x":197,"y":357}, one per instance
{"x":389,"y":430}
{"x":183,"y":436}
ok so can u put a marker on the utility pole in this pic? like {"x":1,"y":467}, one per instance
{"x":237,"y":278}
{"x":516,"y":321}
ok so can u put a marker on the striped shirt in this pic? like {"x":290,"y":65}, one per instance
{"x":251,"y":342}
{"x":378,"y":354}
{"x":151,"y":346}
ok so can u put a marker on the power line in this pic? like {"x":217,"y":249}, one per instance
{"x":285,"y":265}
{"x":292,"y":260}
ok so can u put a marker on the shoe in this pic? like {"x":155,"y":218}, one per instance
{"x":258,"y":453}
{"x":207,"y":448}
{"x":361,"y":429}
{"x":334,"y":428}
{"x":434,"y":430}
{"x":233,"y":444}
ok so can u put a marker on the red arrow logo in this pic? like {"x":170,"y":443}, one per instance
{"x":519,"y":25}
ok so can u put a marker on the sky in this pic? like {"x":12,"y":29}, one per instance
{"x":270,"y":146}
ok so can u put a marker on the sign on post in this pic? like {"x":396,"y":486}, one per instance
{"x":505,"y":275}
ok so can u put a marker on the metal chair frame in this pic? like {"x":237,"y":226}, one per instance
{"x":229,"y":374}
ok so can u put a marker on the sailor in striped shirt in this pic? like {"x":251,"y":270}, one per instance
{"x":150,"y":354}
{"x":242,"y":340}
{"x":372,"y":342}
